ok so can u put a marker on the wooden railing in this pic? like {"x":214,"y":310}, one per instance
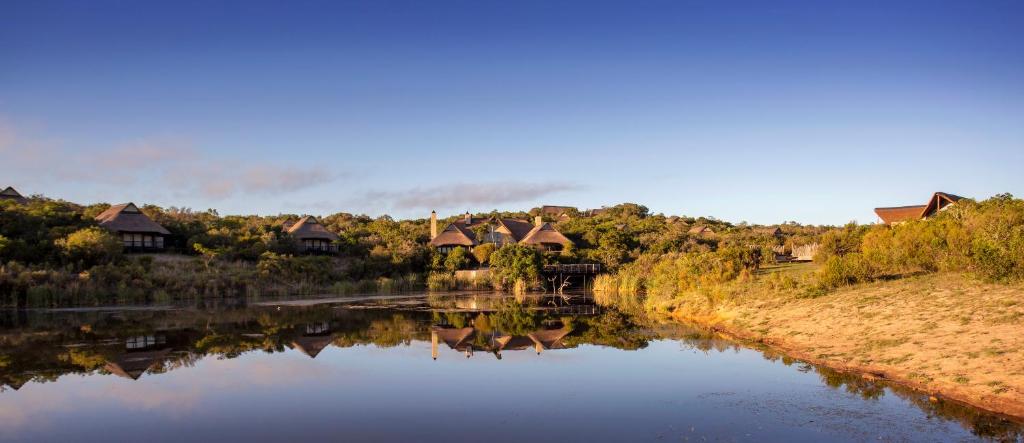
{"x":576,"y":268}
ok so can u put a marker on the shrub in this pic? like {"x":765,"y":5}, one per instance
{"x":457,"y":259}
{"x":91,"y":246}
{"x":515,"y":264}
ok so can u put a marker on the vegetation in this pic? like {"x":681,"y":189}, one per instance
{"x":52,"y":252}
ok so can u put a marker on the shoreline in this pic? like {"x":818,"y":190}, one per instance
{"x":785,"y":327}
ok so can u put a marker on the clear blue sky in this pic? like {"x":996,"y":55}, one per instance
{"x":758,"y":112}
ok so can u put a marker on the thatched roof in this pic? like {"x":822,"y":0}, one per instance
{"x":701,"y":230}
{"x":550,"y":338}
{"x":454,"y":338}
{"x":896,"y":214}
{"x":128,"y":218}
{"x":544,"y":234}
{"x":454,"y":235}
{"x":133,"y":364}
{"x":309,"y":228}
{"x":769,"y":230}
{"x":518,"y":229}
{"x":11,"y":194}
{"x":312,"y":345}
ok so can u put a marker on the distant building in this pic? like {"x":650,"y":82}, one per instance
{"x":312,"y":236}
{"x":898,"y":214}
{"x":11,"y":194}
{"x":769,"y":230}
{"x":469,"y":232}
{"x":138,"y":232}
{"x":557,"y":212}
{"x":701,"y":230}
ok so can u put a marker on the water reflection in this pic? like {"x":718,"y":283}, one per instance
{"x":42,"y":346}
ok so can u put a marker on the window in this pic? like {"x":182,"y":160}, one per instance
{"x":147,"y":241}
{"x":158,"y":241}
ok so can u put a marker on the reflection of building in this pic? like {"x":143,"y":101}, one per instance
{"x":468,"y":340}
{"x":316,"y":338}
{"x":141,"y":354}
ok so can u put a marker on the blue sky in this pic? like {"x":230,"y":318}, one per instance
{"x":760,"y":112}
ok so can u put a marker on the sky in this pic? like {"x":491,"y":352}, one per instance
{"x":757,"y":111}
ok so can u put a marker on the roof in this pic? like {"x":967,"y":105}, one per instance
{"x":133,"y":364}
{"x":454,"y":338}
{"x":769,"y":230}
{"x":701,"y":229}
{"x":128,"y":218}
{"x":898,"y":214}
{"x":544,"y":234}
{"x":556,"y":211}
{"x":550,"y":338}
{"x":11,"y":194}
{"x":516,"y":228}
{"x":454,"y":235}
{"x":936,"y":202}
{"x":309,"y":227}
{"x":312,"y":345}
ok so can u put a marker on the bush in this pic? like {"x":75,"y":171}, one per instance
{"x":457,"y":259}
{"x":483,"y":252}
{"x":516,"y":264}
{"x":91,"y":246}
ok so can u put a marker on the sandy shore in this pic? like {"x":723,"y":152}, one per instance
{"x":945,"y":334}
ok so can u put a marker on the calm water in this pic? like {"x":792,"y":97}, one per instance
{"x":439,"y":368}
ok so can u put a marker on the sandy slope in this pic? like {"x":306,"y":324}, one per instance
{"x":945,"y":334}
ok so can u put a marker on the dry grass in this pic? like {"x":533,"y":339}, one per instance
{"x":944,"y":333}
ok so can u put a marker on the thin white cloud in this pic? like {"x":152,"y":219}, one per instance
{"x":463,"y":195}
{"x":168,"y":163}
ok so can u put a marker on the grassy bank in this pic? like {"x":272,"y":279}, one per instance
{"x":947,"y":334}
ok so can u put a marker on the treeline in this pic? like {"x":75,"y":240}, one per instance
{"x":983,"y":240}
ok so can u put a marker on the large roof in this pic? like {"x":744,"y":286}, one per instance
{"x":516,"y":228}
{"x":128,"y":218}
{"x":312,"y":345}
{"x":544,"y":234}
{"x":11,"y":194}
{"x":309,"y":227}
{"x":936,"y":202}
{"x":454,"y":235}
{"x":133,"y":364}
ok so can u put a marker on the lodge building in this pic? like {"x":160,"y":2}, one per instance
{"x":138,"y":232}
{"x":469,"y":232}
{"x":312,"y":236}
{"x":939,"y":201}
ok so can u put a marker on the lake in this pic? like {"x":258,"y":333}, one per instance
{"x":454,"y":367}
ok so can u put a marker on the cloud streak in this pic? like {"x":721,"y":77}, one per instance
{"x":459,"y":195}
{"x":167,"y":163}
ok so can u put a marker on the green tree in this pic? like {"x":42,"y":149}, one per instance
{"x":90,"y":246}
{"x":457,"y":259}
{"x":516,"y":263}
{"x":483,"y":252}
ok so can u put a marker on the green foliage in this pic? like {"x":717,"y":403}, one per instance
{"x":483,"y":252}
{"x":457,"y":259}
{"x":515,"y":264}
{"x":91,"y":246}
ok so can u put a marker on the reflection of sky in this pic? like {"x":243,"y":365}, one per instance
{"x":400,"y":393}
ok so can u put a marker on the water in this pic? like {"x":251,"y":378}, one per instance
{"x":543,"y":370}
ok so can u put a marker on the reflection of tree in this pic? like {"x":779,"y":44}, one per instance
{"x":40,"y":347}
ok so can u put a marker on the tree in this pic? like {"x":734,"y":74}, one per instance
{"x":457,"y":259}
{"x":483,"y":252}
{"x":92,"y":245}
{"x":516,"y":263}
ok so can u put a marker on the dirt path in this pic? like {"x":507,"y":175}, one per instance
{"x":944,"y":334}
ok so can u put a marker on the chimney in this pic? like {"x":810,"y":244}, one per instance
{"x":538,"y":220}
{"x":433,"y":225}
{"x":469,"y":218}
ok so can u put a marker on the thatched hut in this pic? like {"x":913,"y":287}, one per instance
{"x":13,"y":195}
{"x":313,"y":237}
{"x":898,"y":214}
{"x":545,"y":237}
{"x":138,"y":232}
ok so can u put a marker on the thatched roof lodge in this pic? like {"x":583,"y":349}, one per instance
{"x":11,"y":194}
{"x":137,"y":231}
{"x":500,"y":231}
{"x":312,"y":236}
{"x":559,"y":212}
{"x":898,"y":214}
{"x":701,"y":230}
